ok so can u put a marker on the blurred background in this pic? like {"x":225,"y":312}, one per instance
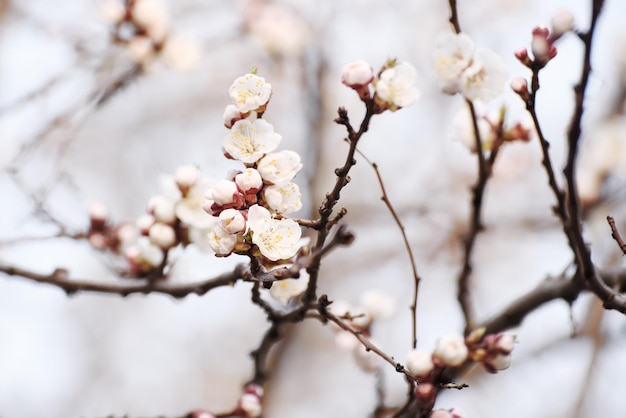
{"x":63,"y":146}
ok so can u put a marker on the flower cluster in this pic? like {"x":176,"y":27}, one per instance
{"x":248,"y":207}
{"x":143,"y":26}
{"x":373,"y":305}
{"x":393,"y":88}
{"x":542,"y":44}
{"x":173,"y":218}
{"x":492,"y":350}
{"x":491,"y":126}
{"x":477,"y":73}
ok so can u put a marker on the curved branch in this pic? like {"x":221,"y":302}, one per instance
{"x":60,"y":278}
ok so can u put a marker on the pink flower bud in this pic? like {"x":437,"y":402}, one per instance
{"x":520,"y":86}
{"x":522,"y":55}
{"x":231,"y":115}
{"x":144,"y":222}
{"x":425,"y":394}
{"x":357,"y":74}
{"x":505,"y":343}
{"x":98,"y":213}
{"x":251,"y":405}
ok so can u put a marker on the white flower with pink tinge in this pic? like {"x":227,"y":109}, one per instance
{"x":277,"y":239}
{"x":248,"y":140}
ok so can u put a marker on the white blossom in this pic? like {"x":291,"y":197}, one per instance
{"x":285,"y":290}
{"x":357,"y":74}
{"x":149,"y":253}
{"x":463,"y":128}
{"x":396,"y":86}
{"x":279,"y":167}
{"x":141,"y":49}
{"x":162,"y":209}
{"x":452,"y":55}
{"x":232,"y":221}
{"x":127,"y":234}
{"x":277,"y":239}
{"x":283,"y":199}
{"x":249,"y":181}
{"x":248,"y":140}
{"x":419,"y":362}
{"x":144,"y":222}
{"x":189,"y":208}
{"x":377,"y":304}
{"x":451,"y":350}
{"x":478,"y":74}
{"x":181,"y":52}
{"x":162,"y":235}
{"x":250,"y":92}
{"x":485,"y":78}
{"x":221,"y":241}
{"x":153,"y":16}
{"x":279,"y":30}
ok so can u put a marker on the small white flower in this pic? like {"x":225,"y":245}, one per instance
{"x":127,"y":233}
{"x":189,"y":209}
{"x":357,"y":74}
{"x":149,"y":253}
{"x":153,"y":16}
{"x":248,"y":141}
{"x":451,"y":350}
{"x":463,"y":128}
{"x":182,"y":53}
{"x":485,"y":78}
{"x":377,"y":304}
{"x":283,"y":199}
{"x":250,"y":181}
{"x":505,"y":343}
{"x":251,"y":405}
{"x":285,"y":290}
{"x":232,"y":221}
{"x":452,"y":55}
{"x":221,"y":241}
{"x":141,"y":49}
{"x":279,"y":30}
{"x":279,"y":167}
{"x":276,"y":239}
{"x":250,"y":92}
{"x":396,"y":86}
{"x":144,"y":222}
{"x":162,"y":235}
{"x":162,"y":209}
{"x":419,"y":362}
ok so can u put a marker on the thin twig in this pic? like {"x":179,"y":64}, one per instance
{"x":616,"y":235}
{"x":396,"y":218}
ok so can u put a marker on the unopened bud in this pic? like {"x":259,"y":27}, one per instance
{"x":520,"y":86}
